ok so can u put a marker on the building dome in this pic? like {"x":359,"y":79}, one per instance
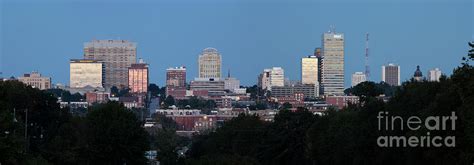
{"x":418,"y":72}
{"x":209,"y":50}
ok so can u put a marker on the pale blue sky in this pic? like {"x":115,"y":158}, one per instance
{"x":250,"y":35}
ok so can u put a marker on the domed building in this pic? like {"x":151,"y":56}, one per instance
{"x":210,"y":63}
{"x":418,"y":76}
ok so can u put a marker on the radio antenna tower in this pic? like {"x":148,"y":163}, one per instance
{"x":367,"y":68}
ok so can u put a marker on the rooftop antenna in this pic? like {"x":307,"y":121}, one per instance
{"x":332,"y":29}
{"x":367,"y":67}
{"x":228,"y":73}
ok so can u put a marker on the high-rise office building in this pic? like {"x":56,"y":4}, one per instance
{"x":264,"y":79}
{"x":271,"y":77}
{"x":117,"y":56}
{"x":332,"y":73}
{"x":309,"y":70}
{"x":86,"y":73}
{"x":357,"y":78}
{"x":35,"y":80}
{"x":434,"y":74}
{"x":277,"y":77}
{"x":418,"y":75}
{"x":391,"y":74}
{"x":138,"y":78}
{"x":176,"y":82}
{"x":210,"y":63}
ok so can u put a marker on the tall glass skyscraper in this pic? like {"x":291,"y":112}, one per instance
{"x":210,"y":63}
{"x":332,"y":73}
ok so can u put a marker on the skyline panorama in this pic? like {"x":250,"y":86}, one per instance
{"x":169,"y":34}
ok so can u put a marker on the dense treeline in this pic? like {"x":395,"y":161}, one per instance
{"x":109,"y":134}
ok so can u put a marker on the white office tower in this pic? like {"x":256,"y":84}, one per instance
{"x":332,"y":74}
{"x":434,"y":74}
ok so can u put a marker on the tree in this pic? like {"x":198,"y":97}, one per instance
{"x":239,"y":136}
{"x":124,"y":92}
{"x":17,"y":101}
{"x":166,"y":141}
{"x":114,"y":91}
{"x":286,"y":106}
{"x":285,"y":141}
{"x":153,"y":89}
{"x":169,"y":101}
{"x":379,"y":88}
{"x":114,"y":135}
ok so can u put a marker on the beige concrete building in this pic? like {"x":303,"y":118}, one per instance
{"x":264,"y":79}
{"x":357,"y":78}
{"x":86,"y":73}
{"x":210,"y":63}
{"x":117,"y":56}
{"x":277,"y":77}
{"x":35,"y":80}
{"x":309,"y":70}
{"x":271,"y":77}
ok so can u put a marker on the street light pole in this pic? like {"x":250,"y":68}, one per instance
{"x":26,"y":130}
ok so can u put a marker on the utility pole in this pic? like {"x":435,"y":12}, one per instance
{"x":26,"y":130}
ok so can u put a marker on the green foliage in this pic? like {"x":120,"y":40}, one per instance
{"x":196,"y":103}
{"x":222,"y":159}
{"x":169,"y":101}
{"x":166,"y":141}
{"x":375,"y":89}
{"x":153,"y":89}
{"x":241,"y":135}
{"x":285,"y":138}
{"x":44,"y":119}
{"x":109,"y":134}
{"x":66,"y":96}
{"x":116,"y":92}
{"x":286,"y":106}
{"x":255,"y":92}
{"x":114,"y":135}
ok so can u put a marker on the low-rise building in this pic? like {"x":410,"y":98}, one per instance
{"x":97,"y":97}
{"x":309,"y":90}
{"x":341,"y":101}
{"x":211,"y":85}
{"x":35,"y":80}
{"x":132,"y":101}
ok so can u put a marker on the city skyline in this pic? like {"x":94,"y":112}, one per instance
{"x":247,"y":53}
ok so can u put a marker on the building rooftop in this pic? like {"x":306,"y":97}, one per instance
{"x":109,"y":43}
